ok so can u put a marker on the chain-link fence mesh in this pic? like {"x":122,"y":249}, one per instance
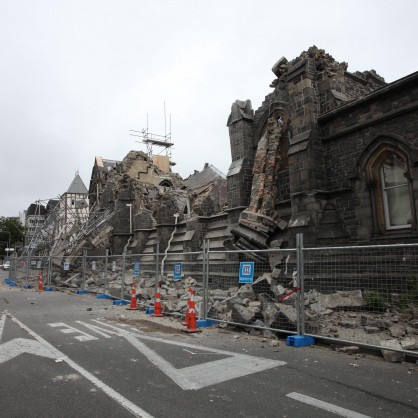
{"x":256,"y":289}
{"x":364,"y":295}
{"x":358,"y":295}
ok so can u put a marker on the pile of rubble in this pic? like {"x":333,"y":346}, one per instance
{"x":265,"y":305}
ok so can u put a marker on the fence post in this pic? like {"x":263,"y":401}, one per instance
{"x":204,"y":274}
{"x":297,"y":280}
{"x":28,"y":267}
{"x":84,"y":267}
{"x":106,"y":283}
{"x":49,"y":271}
{"x":157,"y":262}
{"x":300,"y":339}
{"x":122,"y":284}
{"x":12,"y":268}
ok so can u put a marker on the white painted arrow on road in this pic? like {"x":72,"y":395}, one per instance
{"x":14,"y":348}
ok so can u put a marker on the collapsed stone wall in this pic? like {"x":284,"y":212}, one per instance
{"x":267,"y":305}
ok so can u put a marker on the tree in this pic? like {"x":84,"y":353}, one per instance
{"x":11,"y":232}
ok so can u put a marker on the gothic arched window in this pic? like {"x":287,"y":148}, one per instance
{"x":389,"y":183}
{"x":395,"y":193}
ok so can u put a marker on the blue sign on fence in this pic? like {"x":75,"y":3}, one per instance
{"x":177,"y":271}
{"x":136,"y":269}
{"x":246,"y":271}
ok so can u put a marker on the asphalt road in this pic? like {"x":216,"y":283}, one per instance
{"x":65,"y":355}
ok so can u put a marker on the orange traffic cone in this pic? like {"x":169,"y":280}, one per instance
{"x":40,"y":283}
{"x":157,"y":305}
{"x":191,"y":323}
{"x":133,"y":306}
{"x":186,"y":319}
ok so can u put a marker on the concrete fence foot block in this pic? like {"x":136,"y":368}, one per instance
{"x":204,"y":323}
{"x":103,"y":296}
{"x":300,"y":341}
{"x":121,"y":302}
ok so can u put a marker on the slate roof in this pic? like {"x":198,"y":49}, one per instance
{"x":77,"y":186}
{"x":36,"y":209}
{"x":208,"y":175}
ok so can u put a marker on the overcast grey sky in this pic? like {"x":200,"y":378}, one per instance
{"x":77,"y":75}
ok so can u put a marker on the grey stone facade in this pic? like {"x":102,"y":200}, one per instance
{"x":334,"y":125}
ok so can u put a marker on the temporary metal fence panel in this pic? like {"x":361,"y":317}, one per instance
{"x":255,"y":289}
{"x":178,"y":272}
{"x":26,"y":270}
{"x":363,"y":295}
{"x":68,"y":272}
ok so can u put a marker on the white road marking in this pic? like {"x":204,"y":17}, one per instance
{"x":326,"y":406}
{"x":96,"y":329}
{"x":58,"y":355}
{"x":13,"y":348}
{"x":2,"y":322}
{"x":200,"y":354}
{"x":67,"y":329}
{"x":201,"y":375}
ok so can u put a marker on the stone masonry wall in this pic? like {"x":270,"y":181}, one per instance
{"x":347,"y":134}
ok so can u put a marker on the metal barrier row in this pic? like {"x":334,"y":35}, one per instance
{"x":353,"y":295}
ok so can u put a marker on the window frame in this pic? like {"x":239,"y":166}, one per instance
{"x":380,"y":207}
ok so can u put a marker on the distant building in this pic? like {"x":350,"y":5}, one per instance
{"x":34,"y":222}
{"x":74,"y":205}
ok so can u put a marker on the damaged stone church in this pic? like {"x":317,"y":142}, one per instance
{"x":330,"y":153}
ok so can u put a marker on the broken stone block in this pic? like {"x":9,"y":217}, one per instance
{"x":318,"y":308}
{"x":255,"y":332}
{"x":371,"y":330}
{"x":397,"y":331}
{"x":181,"y":306}
{"x":392,"y":356}
{"x":409,"y":344}
{"x":172,"y":292}
{"x":280,"y":290}
{"x":342,"y":299}
{"x":247,"y":291}
{"x":275,"y":274}
{"x":271,"y":335}
{"x":190,"y":282}
{"x":233,"y":300}
{"x":168,"y":306}
{"x":312,"y":296}
{"x":285,"y":318}
{"x":347,"y":324}
{"x":242,"y":314}
{"x":219,"y":294}
{"x":352,"y":349}
{"x":269,"y":313}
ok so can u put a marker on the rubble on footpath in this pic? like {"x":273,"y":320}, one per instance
{"x":343,"y":314}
